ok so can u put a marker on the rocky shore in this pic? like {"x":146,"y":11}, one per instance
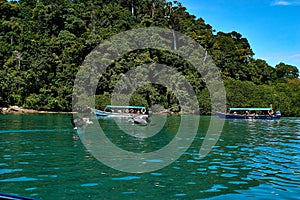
{"x":19,"y":110}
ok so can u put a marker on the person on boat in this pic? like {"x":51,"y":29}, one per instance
{"x":270,"y":112}
{"x":247,"y":113}
{"x":86,"y":115}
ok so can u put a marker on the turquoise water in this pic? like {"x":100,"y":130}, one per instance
{"x":40,"y":157}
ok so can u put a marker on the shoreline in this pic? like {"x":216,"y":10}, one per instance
{"x":20,"y":110}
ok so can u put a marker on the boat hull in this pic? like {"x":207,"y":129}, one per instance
{"x":100,"y":113}
{"x":261,"y":117}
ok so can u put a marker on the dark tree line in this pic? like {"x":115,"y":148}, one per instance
{"x":43,"y":43}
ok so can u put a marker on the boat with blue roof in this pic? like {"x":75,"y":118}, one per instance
{"x":250,"y":113}
{"x":121,"y":111}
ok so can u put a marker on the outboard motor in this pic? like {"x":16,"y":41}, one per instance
{"x":278,"y":114}
{"x":149,"y":113}
{"x":149,"y":119}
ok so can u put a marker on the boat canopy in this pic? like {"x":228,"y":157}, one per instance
{"x":255,"y":109}
{"x":125,"y":107}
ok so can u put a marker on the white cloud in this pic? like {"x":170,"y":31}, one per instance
{"x":296,"y":55}
{"x":284,"y":56}
{"x":285,"y":2}
{"x":281,"y":3}
{"x":288,"y":58}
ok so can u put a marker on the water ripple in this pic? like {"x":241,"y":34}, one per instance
{"x":252,"y":159}
{"x":19,"y":179}
{"x":125,"y":178}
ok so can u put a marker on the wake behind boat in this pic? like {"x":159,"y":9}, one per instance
{"x":121,"y":111}
{"x":250,"y":113}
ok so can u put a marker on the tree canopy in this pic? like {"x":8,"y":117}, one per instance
{"x":43,"y":44}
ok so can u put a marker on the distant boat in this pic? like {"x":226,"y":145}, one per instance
{"x":250,"y":113}
{"x":121,"y":111}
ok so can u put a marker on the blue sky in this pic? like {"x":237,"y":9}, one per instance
{"x":272,"y":27}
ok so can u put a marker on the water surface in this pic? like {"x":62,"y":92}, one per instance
{"x":40,"y":157}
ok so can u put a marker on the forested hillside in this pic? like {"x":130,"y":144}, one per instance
{"x":43,"y":43}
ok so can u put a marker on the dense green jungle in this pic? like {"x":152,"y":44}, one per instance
{"x":44,"y":43}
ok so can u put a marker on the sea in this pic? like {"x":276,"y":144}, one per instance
{"x":42,"y":156}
